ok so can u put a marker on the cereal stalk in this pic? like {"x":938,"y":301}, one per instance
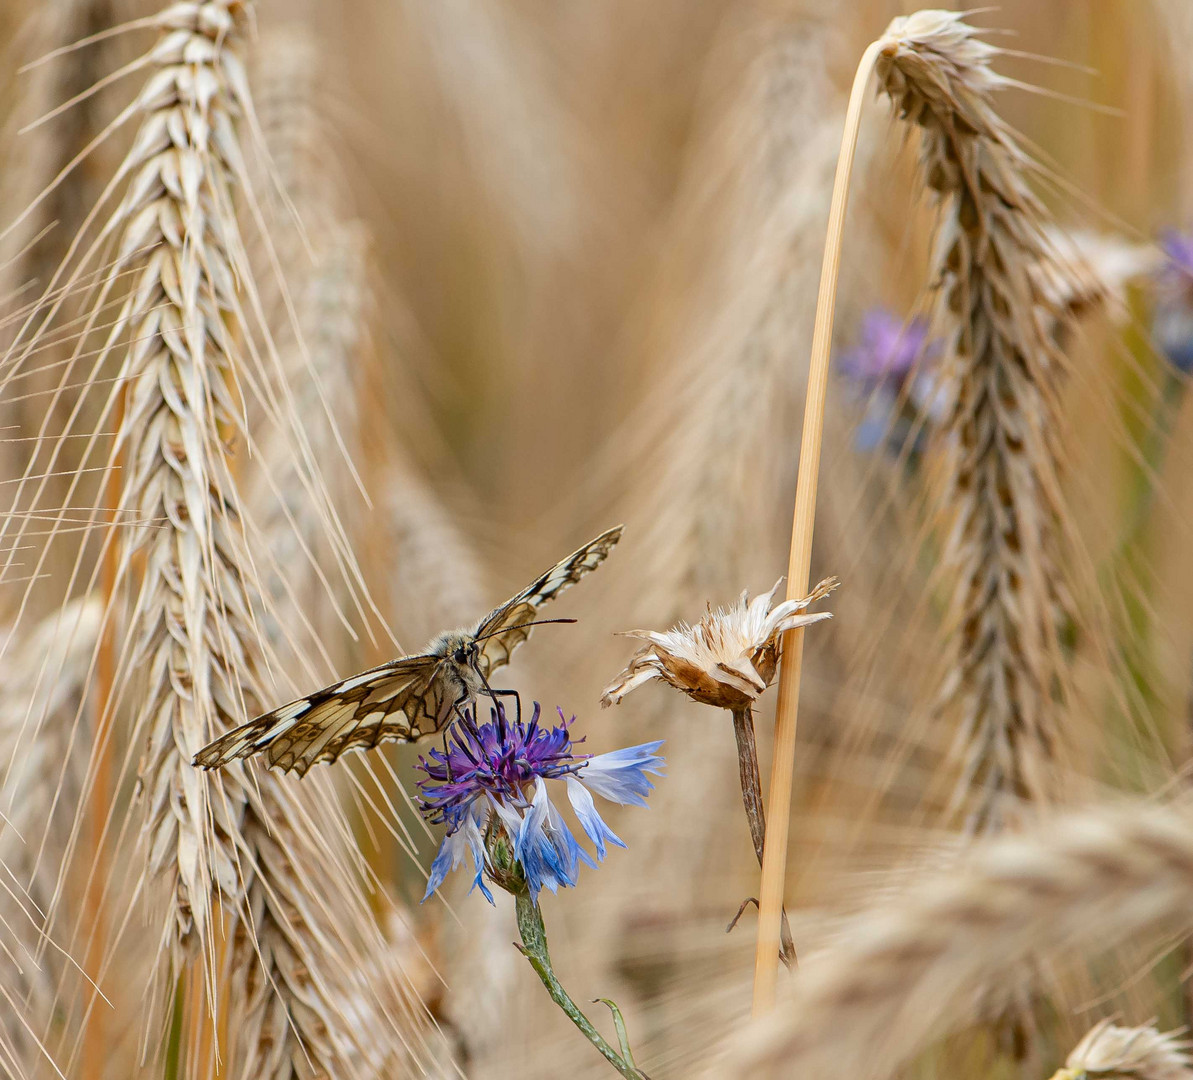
{"x":774,"y":863}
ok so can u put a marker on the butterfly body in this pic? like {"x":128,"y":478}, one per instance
{"x":408,"y":698}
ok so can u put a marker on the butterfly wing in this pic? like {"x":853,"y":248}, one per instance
{"x":400,"y":701}
{"x":496,"y":649}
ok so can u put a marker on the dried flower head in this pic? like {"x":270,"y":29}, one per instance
{"x":1120,"y":1053}
{"x":489,"y":787}
{"x":728,"y":658}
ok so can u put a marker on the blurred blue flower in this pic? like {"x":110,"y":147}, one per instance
{"x":1178,"y":251}
{"x":492,"y":778}
{"x":892,"y":369}
{"x":887,"y":350}
{"x":1172,"y":323}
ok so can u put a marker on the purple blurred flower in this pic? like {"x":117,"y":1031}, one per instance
{"x":1172,"y":326}
{"x":893,"y":371}
{"x":887,"y":350}
{"x":493,"y":777}
{"x":1178,"y":249}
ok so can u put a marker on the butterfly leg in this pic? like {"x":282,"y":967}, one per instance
{"x":517,"y":700}
{"x":463,"y":717}
{"x":494,"y":695}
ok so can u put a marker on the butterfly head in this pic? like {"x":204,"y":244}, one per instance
{"x":459,"y":653}
{"x":465,"y":653}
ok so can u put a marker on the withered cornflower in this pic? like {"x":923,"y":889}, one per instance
{"x":490,"y":789}
{"x":728,"y":658}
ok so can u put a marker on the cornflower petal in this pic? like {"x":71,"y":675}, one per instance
{"x":887,"y":349}
{"x":467,"y":837}
{"x":545,"y":847}
{"x":589,"y":817}
{"x":620,"y":775}
{"x":565,"y":843}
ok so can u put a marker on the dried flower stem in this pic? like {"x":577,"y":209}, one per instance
{"x":751,"y":797}
{"x":774,"y":862}
{"x":534,"y":948}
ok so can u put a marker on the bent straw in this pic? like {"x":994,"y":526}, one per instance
{"x":774,"y":858}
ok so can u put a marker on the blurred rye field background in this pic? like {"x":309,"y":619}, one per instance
{"x":327,"y":326}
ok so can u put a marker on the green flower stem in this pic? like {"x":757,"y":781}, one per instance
{"x":534,"y":948}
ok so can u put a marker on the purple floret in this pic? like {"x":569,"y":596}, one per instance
{"x":499,"y":758}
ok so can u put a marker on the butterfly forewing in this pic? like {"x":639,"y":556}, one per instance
{"x":498,"y":644}
{"x":396,"y":702}
{"x":408,"y":698}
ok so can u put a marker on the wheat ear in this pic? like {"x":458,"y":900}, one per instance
{"x":1128,"y":1053}
{"x":799,"y":565}
{"x":42,"y":762}
{"x":910,"y":968}
{"x":315,"y":934}
{"x":198,"y":658}
{"x":192,"y":621}
{"x":1000,"y":501}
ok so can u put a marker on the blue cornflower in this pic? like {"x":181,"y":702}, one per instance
{"x":1178,"y":250}
{"x":1172,"y":326}
{"x":887,"y":350}
{"x":892,"y":366}
{"x":490,"y":787}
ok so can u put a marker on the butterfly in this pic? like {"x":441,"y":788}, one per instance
{"x":405,"y":699}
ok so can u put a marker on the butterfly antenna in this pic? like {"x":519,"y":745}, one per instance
{"x":522,"y":626}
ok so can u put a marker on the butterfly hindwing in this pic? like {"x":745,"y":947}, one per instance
{"x":396,"y":702}
{"x":521,"y":608}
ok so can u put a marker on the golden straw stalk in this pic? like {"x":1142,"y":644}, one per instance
{"x":774,"y":861}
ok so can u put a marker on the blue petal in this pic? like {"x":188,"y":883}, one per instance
{"x":571,"y":854}
{"x":446,"y":859}
{"x":586,"y":813}
{"x":620,"y":776}
{"x":467,"y":838}
{"x":479,"y":882}
{"x":545,"y":847}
